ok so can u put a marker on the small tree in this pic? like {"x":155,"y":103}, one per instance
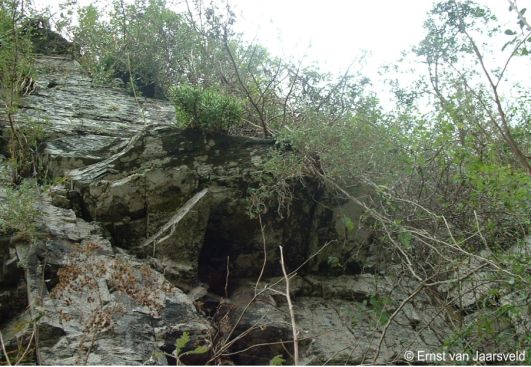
{"x":16,"y":58}
{"x":453,"y":29}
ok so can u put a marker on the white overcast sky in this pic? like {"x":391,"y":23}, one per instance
{"x":334,"y":33}
{"x":337,"y":32}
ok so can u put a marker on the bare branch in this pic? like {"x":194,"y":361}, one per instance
{"x":519,"y":155}
{"x":291,"y":312}
{"x":392,"y":317}
{"x":4,"y":349}
{"x":27,"y":347}
{"x":515,"y":50}
{"x":262,"y":231}
{"x":263,"y":121}
{"x":291,"y":88}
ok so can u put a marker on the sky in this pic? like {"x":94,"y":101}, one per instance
{"x":336,"y":33}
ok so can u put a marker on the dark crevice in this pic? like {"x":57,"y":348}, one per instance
{"x":51,"y":278}
{"x":172,"y":361}
{"x":213,"y":266}
{"x":78,"y":205}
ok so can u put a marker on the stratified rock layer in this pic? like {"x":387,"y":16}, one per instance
{"x":135,"y":192}
{"x":95,"y":306}
{"x":149,"y":209}
{"x":84,"y":123}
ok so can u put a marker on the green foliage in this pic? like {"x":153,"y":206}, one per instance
{"x":405,"y":239}
{"x":374,"y":309}
{"x":16,"y":60}
{"x":35,"y":132}
{"x":334,"y":264}
{"x":182,"y":343}
{"x":16,"y":53}
{"x":348,"y":223}
{"x":18,"y":213}
{"x":95,"y":40}
{"x":467,"y":91}
{"x":356,"y":146}
{"x":280,"y":174}
{"x":208,"y":109}
{"x":493,"y":328}
{"x":277,"y":360}
{"x":465,"y":170}
{"x":26,"y":159}
{"x":379,"y":307}
{"x":146,"y":44}
{"x":439,"y":174}
{"x":152,"y":48}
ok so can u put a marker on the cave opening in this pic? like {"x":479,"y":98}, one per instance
{"x":215,"y":265}
{"x":224,"y":258}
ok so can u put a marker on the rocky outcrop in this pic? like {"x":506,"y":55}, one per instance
{"x":13,"y":298}
{"x":179,"y":200}
{"x":92,"y":305}
{"x":83,"y":122}
{"x":137,"y":191}
{"x":340,"y":320}
{"x":149,"y":211}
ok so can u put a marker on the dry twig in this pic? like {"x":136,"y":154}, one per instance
{"x":291,"y":312}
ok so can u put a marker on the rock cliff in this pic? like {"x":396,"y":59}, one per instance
{"x":149,"y":239}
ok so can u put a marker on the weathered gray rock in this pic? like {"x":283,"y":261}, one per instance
{"x":135,"y":192}
{"x":84,"y":123}
{"x":180,"y":199}
{"x":134,"y":172}
{"x":18,"y":335}
{"x":95,"y":306}
{"x":10,"y":272}
{"x":13,"y":299}
{"x":340,"y":321}
{"x":354,"y":251}
{"x":179,"y":241}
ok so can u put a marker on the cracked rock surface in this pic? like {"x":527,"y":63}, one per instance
{"x":150,"y":211}
{"x":85,"y":123}
{"x":98,"y":306}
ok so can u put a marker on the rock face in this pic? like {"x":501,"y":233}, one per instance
{"x":84,"y":123}
{"x":96,"y":306}
{"x":149,"y":211}
{"x":13,"y":298}
{"x":339,"y":319}
{"x":135,"y":192}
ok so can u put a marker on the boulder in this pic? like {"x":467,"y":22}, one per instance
{"x":92,"y":305}
{"x":339,"y":321}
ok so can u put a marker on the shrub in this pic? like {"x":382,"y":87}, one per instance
{"x":18,"y":214}
{"x":207,"y":109}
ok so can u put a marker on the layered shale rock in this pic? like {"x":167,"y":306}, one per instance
{"x":83,"y":122}
{"x":136,"y":192}
{"x":148,"y":211}
{"x":92,"y":305}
